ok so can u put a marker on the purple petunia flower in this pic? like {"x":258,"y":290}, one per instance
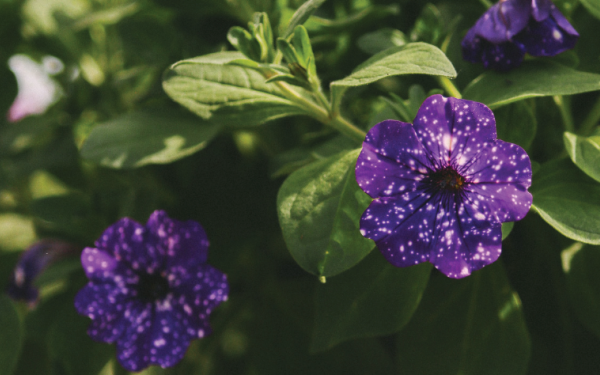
{"x":32,"y":263}
{"x":151,"y":290}
{"x":442,"y":187}
{"x":511,"y":28}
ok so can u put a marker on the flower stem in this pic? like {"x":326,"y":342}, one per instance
{"x":449,"y":87}
{"x":591,"y":120}
{"x":564,"y":106}
{"x":485,"y":3}
{"x":323,"y":115}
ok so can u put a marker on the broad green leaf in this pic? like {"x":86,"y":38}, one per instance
{"x":147,"y":137}
{"x":516,"y":123}
{"x":471,"y":326}
{"x":69,"y":343}
{"x":413,"y":58}
{"x":10,"y":335}
{"x":230,"y":95}
{"x":532,"y":79}
{"x":320,"y":207}
{"x":581,"y":264}
{"x":585,"y":153}
{"x":301,"y":15}
{"x":372,"y":299}
{"x":593,"y":6}
{"x":568,"y":200}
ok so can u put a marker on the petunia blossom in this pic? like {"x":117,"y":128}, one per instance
{"x":37,"y":90}
{"x":511,"y":28}
{"x":31,"y":264}
{"x":442,"y":187}
{"x":150,"y":291}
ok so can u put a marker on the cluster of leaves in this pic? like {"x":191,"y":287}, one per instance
{"x":278,"y":117}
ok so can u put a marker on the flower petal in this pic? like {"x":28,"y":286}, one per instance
{"x":392,"y":160}
{"x":453,"y":130}
{"x":465,"y":243}
{"x":130,"y":242}
{"x":498,"y":180}
{"x":184,"y":243}
{"x":503,"y":20}
{"x":503,"y":56}
{"x":439,"y":230}
{"x":547,"y":38}
{"x":199,"y":291}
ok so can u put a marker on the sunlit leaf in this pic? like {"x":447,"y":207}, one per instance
{"x":531,"y":79}
{"x":320,"y":206}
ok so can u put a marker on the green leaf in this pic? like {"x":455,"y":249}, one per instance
{"x":581,"y":264}
{"x":230,"y":95}
{"x":69,"y":343}
{"x":413,"y":58}
{"x":585,"y":153}
{"x":244,"y":42}
{"x":10,"y":336}
{"x":471,"y":326}
{"x":593,"y":6}
{"x":148,"y":137}
{"x":532,"y":79}
{"x":507,"y":228}
{"x":301,"y":43}
{"x":568,"y":200}
{"x":320,"y":207}
{"x":381,"y":40}
{"x":516,"y":123}
{"x":301,"y":15}
{"x":372,"y":299}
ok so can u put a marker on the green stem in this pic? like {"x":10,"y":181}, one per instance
{"x":449,"y":86}
{"x":592,"y":119}
{"x":564,"y":106}
{"x":485,"y":3}
{"x":321,"y":114}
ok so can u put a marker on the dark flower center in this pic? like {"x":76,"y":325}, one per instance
{"x":152,"y":287}
{"x":447,"y":179}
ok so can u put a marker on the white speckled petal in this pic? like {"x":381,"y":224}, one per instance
{"x":197,"y":293}
{"x":129,"y":242}
{"x":499,"y":178}
{"x":439,"y":230}
{"x":184,"y":243}
{"x":392,"y":160}
{"x":453,"y":130}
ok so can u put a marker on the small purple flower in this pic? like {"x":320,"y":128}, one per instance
{"x":151,"y":290}
{"x":442,"y":187}
{"x":32,"y":263}
{"x":511,"y":28}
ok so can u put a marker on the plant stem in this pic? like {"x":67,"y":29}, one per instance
{"x":485,"y":3}
{"x":449,"y":86}
{"x":564,"y":106}
{"x":321,"y":114}
{"x":591,"y":120}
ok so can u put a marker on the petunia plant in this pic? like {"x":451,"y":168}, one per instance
{"x":388,"y":187}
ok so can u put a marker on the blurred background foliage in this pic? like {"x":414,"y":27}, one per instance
{"x":115,"y":53}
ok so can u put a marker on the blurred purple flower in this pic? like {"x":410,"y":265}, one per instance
{"x":151,"y":290}
{"x":37,"y":90}
{"x":511,"y":28}
{"x":442,"y":187}
{"x":32,"y":263}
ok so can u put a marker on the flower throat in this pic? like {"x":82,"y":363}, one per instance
{"x":447,"y":179}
